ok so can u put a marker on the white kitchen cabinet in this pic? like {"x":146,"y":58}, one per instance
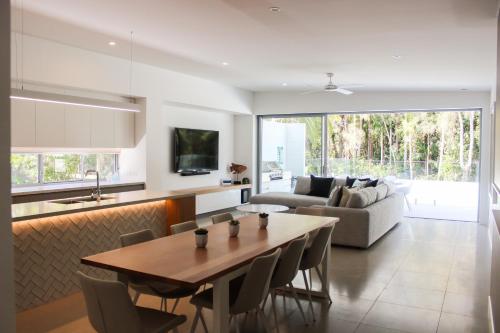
{"x":50,"y":122}
{"x":51,"y":125}
{"x":23,"y":123}
{"x":77,"y":127}
{"x":124,"y":129}
{"x":103,"y":128}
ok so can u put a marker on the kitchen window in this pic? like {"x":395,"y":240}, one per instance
{"x":29,"y":169}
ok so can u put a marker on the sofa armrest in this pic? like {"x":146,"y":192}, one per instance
{"x":353,"y":227}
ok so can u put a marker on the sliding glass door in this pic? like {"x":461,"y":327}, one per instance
{"x":432,"y":157}
{"x":290,"y":147}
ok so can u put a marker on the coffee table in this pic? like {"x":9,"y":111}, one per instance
{"x":261,"y":208}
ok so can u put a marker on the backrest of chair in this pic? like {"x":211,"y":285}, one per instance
{"x":224,"y":217}
{"x":255,"y":286}
{"x":183,"y":227}
{"x":315,"y":211}
{"x":288,"y":263}
{"x":109,"y":307}
{"x":316,"y":252}
{"x":133,"y":238}
{"x":136,"y":237}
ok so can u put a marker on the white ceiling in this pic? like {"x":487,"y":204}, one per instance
{"x":443,"y":44}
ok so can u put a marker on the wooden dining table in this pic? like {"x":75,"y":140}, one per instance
{"x":175,"y":259}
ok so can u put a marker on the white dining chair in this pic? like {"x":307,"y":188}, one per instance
{"x":246,"y":293}
{"x":110,"y":310}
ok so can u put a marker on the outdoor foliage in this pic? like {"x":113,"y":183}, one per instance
{"x":412,"y":145}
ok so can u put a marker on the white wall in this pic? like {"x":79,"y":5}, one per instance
{"x":175,"y":116}
{"x":293,"y":102}
{"x":7,"y":309}
{"x":245,"y":145}
{"x":54,"y":64}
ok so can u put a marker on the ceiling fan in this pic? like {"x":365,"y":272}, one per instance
{"x":331,"y":87}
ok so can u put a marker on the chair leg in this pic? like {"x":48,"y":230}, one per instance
{"x":195,"y":319}
{"x":203,"y":321}
{"x":260,"y":314}
{"x":175,"y":305}
{"x":265,"y":301}
{"x":310,"y":280}
{"x":294,"y":293}
{"x":308,"y":294}
{"x":323,"y":283}
{"x":136,"y":297}
{"x":273,"y":304}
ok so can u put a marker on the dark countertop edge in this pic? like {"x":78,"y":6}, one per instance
{"x":76,"y":188}
{"x":101,"y":206}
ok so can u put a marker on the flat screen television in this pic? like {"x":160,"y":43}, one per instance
{"x":196,"y":150}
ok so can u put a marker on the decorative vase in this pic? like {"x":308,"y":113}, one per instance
{"x":234,"y":229}
{"x":263,"y":221}
{"x":201,"y":240}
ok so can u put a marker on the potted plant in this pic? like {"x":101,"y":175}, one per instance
{"x":201,"y":237}
{"x":234,"y":228}
{"x":263,"y":220}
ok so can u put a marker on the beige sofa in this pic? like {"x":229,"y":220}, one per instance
{"x":358,"y":227}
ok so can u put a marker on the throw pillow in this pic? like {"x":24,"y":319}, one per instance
{"x":334,"y":198}
{"x":320,"y":186}
{"x":371,"y":183}
{"x":381,"y":191}
{"x":303,"y":185}
{"x":362,"y":198}
{"x":346,"y":195}
{"x":359,"y":183}
{"x":349,"y":182}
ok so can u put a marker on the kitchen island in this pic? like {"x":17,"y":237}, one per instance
{"x":50,"y":237}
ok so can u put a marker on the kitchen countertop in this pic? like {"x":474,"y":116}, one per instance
{"x":64,"y":187}
{"x":34,"y":210}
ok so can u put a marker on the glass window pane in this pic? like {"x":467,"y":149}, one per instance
{"x":24,"y":169}
{"x":104,"y":163}
{"x":291,"y":147}
{"x":61,"y":168}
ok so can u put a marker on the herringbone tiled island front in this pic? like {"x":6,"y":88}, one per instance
{"x":48,"y":248}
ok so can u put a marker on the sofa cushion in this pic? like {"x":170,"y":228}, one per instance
{"x":391,"y":188}
{"x":381,"y":191}
{"x":287,"y":199}
{"x":372,"y":183}
{"x":321,"y":186}
{"x":362,"y":198}
{"x":334,"y":198}
{"x":303,"y":185}
{"x":346,"y":195}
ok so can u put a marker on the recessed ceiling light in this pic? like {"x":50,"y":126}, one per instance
{"x":284,"y":84}
{"x":275,"y":9}
{"x":111,"y":43}
{"x":397,"y":57}
{"x":225,"y":63}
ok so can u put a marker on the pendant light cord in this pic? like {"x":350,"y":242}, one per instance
{"x":22,"y":45}
{"x":131,"y":63}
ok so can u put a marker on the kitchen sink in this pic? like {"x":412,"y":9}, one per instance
{"x":80,"y":200}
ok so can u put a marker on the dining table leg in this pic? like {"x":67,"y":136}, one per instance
{"x":325,"y":268}
{"x":221,"y":299}
{"x":221,"y":305}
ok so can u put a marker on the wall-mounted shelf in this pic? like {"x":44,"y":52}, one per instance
{"x":212,"y":189}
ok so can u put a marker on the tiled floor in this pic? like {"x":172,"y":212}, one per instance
{"x":424,"y":276}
